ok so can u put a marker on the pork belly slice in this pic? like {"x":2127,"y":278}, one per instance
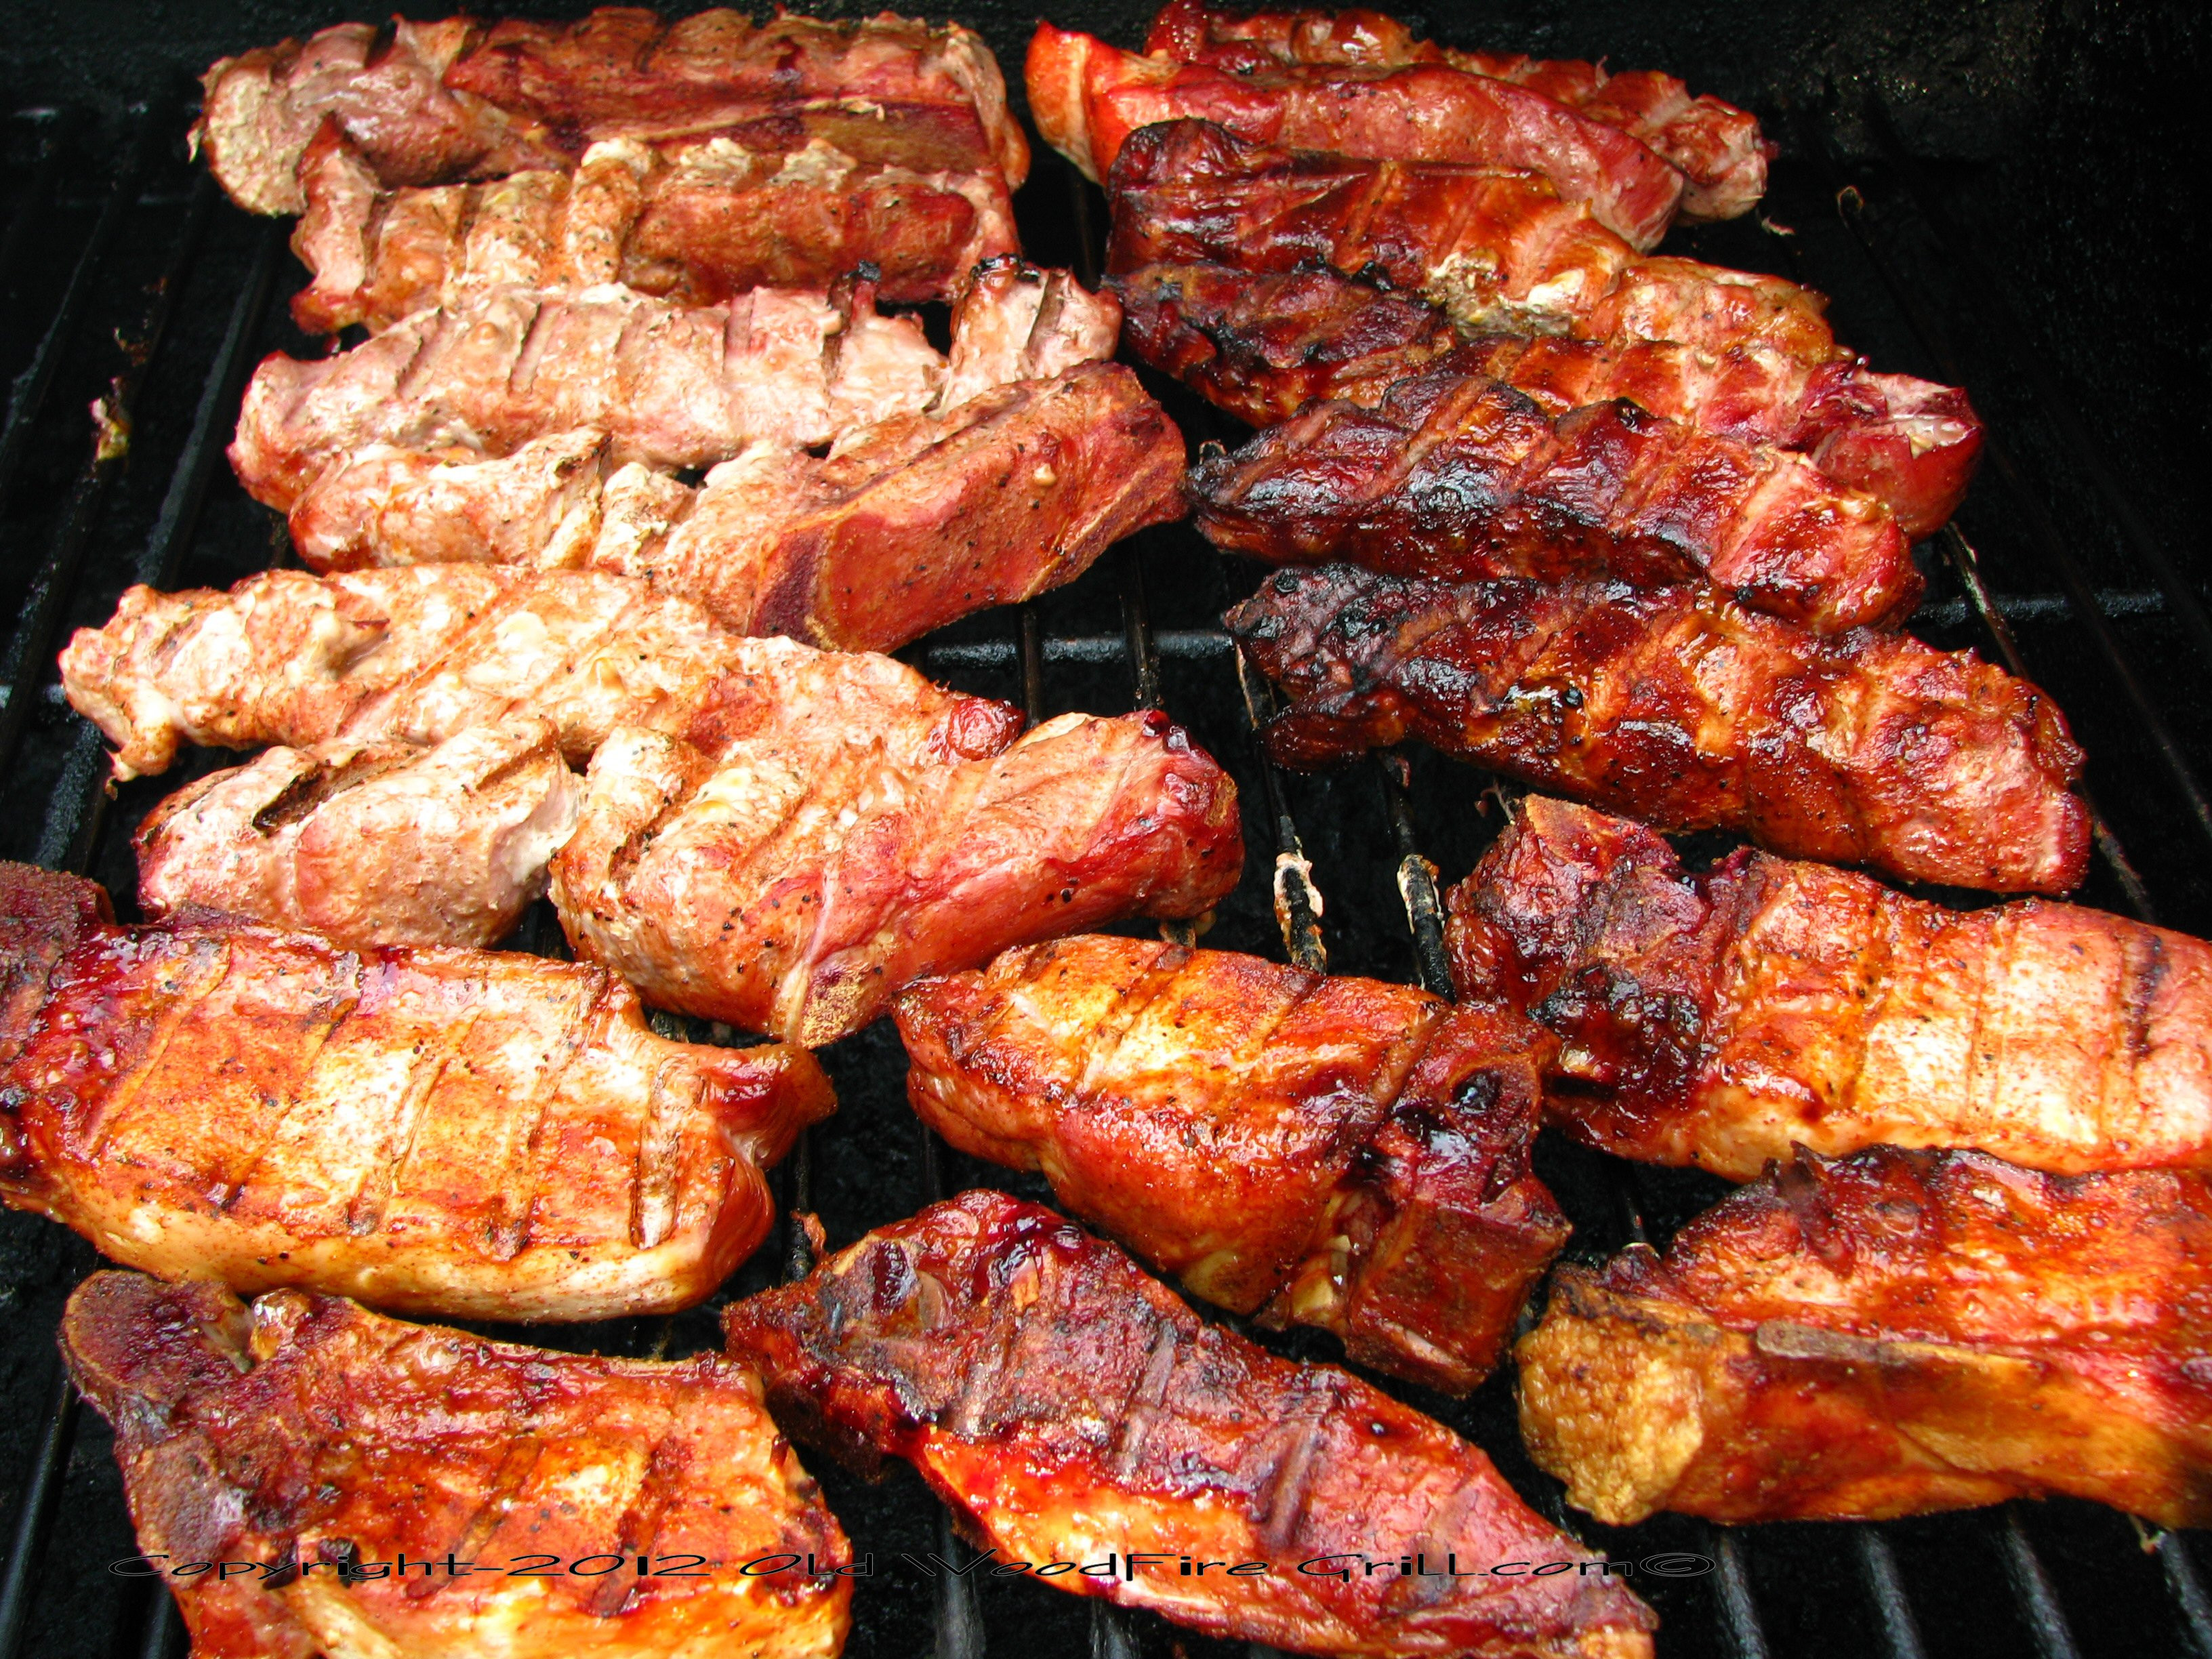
{"x":1336,"y":1152}
{"x":1263,"y":347}
{"x":1719,"y":1017}
{"x":434,"y":103}
{"x":1887,"y":1334}
{"x":795,"y":883}
{"x":1717,"y":147}
{"x":909,"y":525}
{"x":309,"y":1431}
{"x":1688,"y":712}
{"x":383,"y":845}
{"x":1453,"y":474}
{"x":1067,"y":1407}
{"x":477,"y":1133}
{"x":695,"y":226}
{"x":1088,"y":99}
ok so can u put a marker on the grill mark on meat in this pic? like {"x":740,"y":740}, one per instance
{"x":205,"y":968}
{"x":1125,"y":1453}
{"x":640,"y":1527}
{"x":364,"y":1211}
{"x":512,"y":1184}
{"x":232,"y":1187}
{"x":1287,"y":1487}
{"x":654,"y":1208}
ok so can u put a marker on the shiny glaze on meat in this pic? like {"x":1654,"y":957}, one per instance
{"x":1688,"y":712}
{"x":1087,"y":98}
{"x":1716,"y":146}
{"x":1338,"y":1152}
{"x":1263,"y":346}
{"x":306,"y":1431}
{"x":795,"y":882}
{"x":1718,"y":1018}
{"x":432,"y":103}
{"x":1458,"y":476}
{"x":477,"y":1133}
{"x":384,"y":845}
{"x":1892,"y":1333}
{"x":1066,"y":1406}
{"x":696,"y":227}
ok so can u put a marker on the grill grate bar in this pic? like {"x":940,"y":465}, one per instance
{"x":35,"y":1517}
{"x":1297,"y":901}
{"x":60,"y":126}
{"x":1886,"y":1586}
{"x":2188,"y":1587}
{"x":1739,"y":1613}
{"x":2031,"y":1587}
{"x":1416,"y":880}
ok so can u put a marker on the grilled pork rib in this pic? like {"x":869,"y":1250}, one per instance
{"x":1069,"y":1406}
{"x":468,"y":1132}
{"x":1263,"y":346}
{"x":1688,"y":712}
{"x":1338,"y":1152}
{"x":1888,"y":1334}
{"x":1716,"y":146}
{"x":383,"y":845}
{"x":711,"y":222}
{"x":434,"y":103}
{"x":1088,"y":98}
{"x":795,"y":882}
{"x":1721,"y":1018}
{"x":1458,"y":476}
{"x":306,"y":1431}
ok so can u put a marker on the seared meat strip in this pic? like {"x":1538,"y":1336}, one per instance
{"x":1264,"y":346}
{"x":384,"y":845}
{"x":1456,"y":475}
{"x":1721,"y":1018}
{"x":1686,"y":712}
{"x":1088,"y":98}
{"x":695,"y":226}
{"x":1338,"y":1152}
{"x":473,"y":1132}
{"x":434,"y":103}
{"x":1888,"y":1334}
{"x":1716,"y":146}
{"x":416,"y":656}
{"x":794,"y":882}
{"x":1069,"y":1406}
{"x":309,"y":1434}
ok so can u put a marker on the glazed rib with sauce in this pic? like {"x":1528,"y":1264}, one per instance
{"x":437,"y":102}
{"x":1720,"y":1019}
{"x":1338,"y":1152}
{"x":1895,"y":1333}
{"x":1263,"y":346}
{"x":1066,"y":1405}
{"x":1688,"y":712}
{"x":1088,"y":99}
{"x":476,"y":1133}
{"x":794,"y":880}
{"x":1716,"y":146}
{"x":1456,"y":475}
{"x":308,"y":1431}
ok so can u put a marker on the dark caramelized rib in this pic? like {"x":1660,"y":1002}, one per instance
{"x":1337,"y":1152}
{"x":1457,"y":475}
{"x":1067,"y":1406}
{"x":1087,"y":98}
{"x":476,"y":1133}
{"x":1889,"y":1334}
{"x":308,"y":1432}
{"x":1688,"y":712}
{"x":1718,"y":1019}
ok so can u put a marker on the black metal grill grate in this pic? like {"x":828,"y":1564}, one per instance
{"x":124,"y":264}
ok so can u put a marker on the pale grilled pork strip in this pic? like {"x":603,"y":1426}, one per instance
{"x":308,"y":1430}
{"x":1337,"y":1152}
{"x":435,"y":103}
{"x":1717,"y":147}
{"x":1456,"y":475}
{"x":1688,"y":712}
{"x":1088,"y":98}
{"x":1892,"y":1333}
{"x":1264,"y":346}
{"x":1066,"y":1406}
{"x":383,"y":845}
{"x":696,"y":227}
{"x":794,"y":881}
{"x":1718,"y":1018}
{"x":476,"y":1133}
